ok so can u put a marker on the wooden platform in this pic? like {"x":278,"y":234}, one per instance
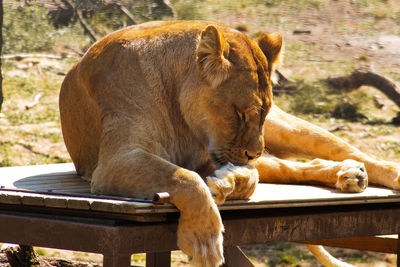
{"x":58,"y":186}
{"x":38,"y":198}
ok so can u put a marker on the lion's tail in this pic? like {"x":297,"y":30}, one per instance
{"x":325,"y":258}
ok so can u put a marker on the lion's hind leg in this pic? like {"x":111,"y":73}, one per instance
{"x":347,"y":175}
{"x":287,"y":136}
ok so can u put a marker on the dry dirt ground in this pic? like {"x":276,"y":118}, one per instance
{"x":340,"y":37}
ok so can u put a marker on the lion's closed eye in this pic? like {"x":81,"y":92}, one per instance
{"x":240,"y":115}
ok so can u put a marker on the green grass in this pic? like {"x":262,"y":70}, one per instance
{"x":139,"y":258}
{"x":316,"y":99}
{"x":355,"y":256}
{"x":389,"y":148}
{"x":279,"y":254}
{"x":310,"y":98}
{"x":32,"y":136}
{"x":26,"y":117}
{"x":270,"y":12}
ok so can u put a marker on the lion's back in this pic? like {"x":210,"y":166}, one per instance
{"x":90,"y":86}
{"x":130,"y":70}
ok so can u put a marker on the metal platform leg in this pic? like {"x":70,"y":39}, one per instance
{"x":158,"y":259}
{"x":116,"y":260}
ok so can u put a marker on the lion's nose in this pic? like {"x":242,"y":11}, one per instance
{"x":252,"y":155}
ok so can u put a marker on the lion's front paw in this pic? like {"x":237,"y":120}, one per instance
{"x":233,"y":182}
{"x":220,"y":188}
{"x":200,"y":237}
{"x":352,"y":176}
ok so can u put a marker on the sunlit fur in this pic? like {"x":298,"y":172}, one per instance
{"x":233,"y":182}
{"x":211,"y":56}
{"x":146,"y":108}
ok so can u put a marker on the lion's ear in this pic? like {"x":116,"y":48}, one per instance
{"x":271,"y":45}
{"x":211,"y":52}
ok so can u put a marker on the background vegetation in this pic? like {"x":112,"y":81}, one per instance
{"x":338,"y":37}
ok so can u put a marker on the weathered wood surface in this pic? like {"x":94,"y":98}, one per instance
{"x":241,"y":228}
{"x":58,"y":186}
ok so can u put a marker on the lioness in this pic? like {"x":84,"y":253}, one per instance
{"x":182,"y":107}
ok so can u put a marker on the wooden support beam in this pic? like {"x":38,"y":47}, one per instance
{"x":158,"y":259}
{"x":384,"y":244}
{"x":116,"y":260}
{"x":234,"y":257}
{"x":398,"y":250}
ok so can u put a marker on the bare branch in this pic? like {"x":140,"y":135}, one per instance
{"x":283,"y":84}
{"x":127,"y":13}
{"x":366,"y":76}
{"x":83,"y":22}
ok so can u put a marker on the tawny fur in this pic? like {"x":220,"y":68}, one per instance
{"x":163,"y":106}
{"x":325,"y":258}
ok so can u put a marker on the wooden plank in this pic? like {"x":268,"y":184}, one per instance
{"x":384,"y":244}
{"x":55,"y":202}
{"x":78,"y":204}
{"x":310,"y":223}
{"x":28,"y":183}
{"x":267,"y":202}
{"x":70,"y":233}
{"x":83,"y":191}
{"x":265,"y":193}
{"x":10,"y":198}
{"x":106,"y":206}
{"x":116,"y":260}
{"x":53,"y":176}
{"x":270,"y":226}
{"x":48,"y":180}
{"x":32,"y":200}
{"x":51,"y":187}
{"x":137,"y":211}
{"x":56,"y":182}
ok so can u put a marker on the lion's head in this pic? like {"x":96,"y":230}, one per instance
{"x":236,"y":74}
